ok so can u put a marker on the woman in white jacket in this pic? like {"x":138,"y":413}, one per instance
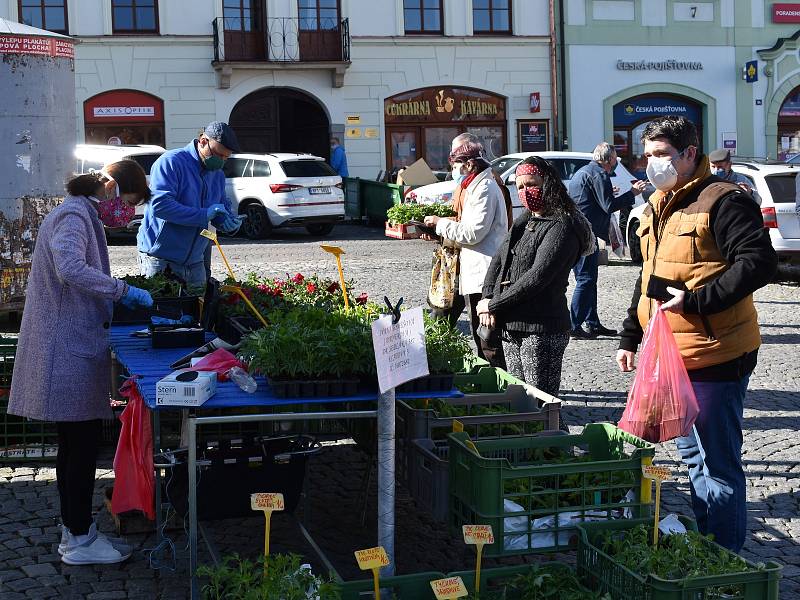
{"x":479,"y":232}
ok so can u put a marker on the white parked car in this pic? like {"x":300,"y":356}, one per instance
{"x":565,"y":163}
{"x":284,"y":190}
{"x":775,"y":183}
{"x":93,"y":157}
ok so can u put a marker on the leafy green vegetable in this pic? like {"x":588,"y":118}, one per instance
{"x":277,"y":576}
{"x":400,"y":214}
{"x":447,"y":347}
{"x":159,"y":285}
{"x":541,"y":582}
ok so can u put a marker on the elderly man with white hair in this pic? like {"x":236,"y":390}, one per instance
{"x":592,"y":192}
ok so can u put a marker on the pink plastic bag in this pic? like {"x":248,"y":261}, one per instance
{"x":661,"y":402}
{"x":134,"y":477}
{"x":221,"y":361}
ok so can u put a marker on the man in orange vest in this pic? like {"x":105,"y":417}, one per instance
{"x":705,"y":252}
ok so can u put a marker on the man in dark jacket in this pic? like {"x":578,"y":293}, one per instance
{"x":705,"y":252}
{"x":592,"y":192}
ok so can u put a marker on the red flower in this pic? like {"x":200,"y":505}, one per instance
{"x":333,"y":288}
{"x":277,"y":292}
{"x":362,"y":298}
{"x":298,"y":278}
{"x":279,"y":283}
{"x":311,"y":288}
{"x":264,"y":288}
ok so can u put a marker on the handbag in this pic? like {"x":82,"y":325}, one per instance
{"x":444,"y":271}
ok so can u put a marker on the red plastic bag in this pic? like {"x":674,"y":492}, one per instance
{"x":661,"y":402}
{"x":134,"y":477}
{"x":220,"y":361}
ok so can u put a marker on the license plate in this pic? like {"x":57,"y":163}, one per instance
{"x":319,"y":190}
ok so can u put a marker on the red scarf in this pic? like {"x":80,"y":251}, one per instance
{"x":467,"y":180}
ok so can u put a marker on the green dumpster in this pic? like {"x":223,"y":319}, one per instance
{"x":352,"y":198}
{"x":376,"y":198}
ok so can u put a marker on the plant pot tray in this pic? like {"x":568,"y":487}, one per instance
{"x":319,"y":388}
{"x":429,"y":383}
{"x":401,"y":231}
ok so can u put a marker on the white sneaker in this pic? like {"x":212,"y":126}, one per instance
{"x":119,"y":543}
{"x":91,"y":549}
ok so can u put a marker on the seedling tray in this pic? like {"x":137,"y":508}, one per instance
{"x":233,"y":329}
{"x":513,"y":411}
{"x":416,"y":586}
{"x":321,"y":388}
{"x":495,"y":581}
{"x":587,"y":474}
{"x":429,"y":383}
{"x":177,"y":336}
{"x":603,"y":573}
{"x":187,"y":305}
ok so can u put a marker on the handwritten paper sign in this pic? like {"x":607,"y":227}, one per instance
{"x":372,"y":558}
{"x":478,"y":534}
{"x":451,"y":587}
{"x":400,"y":353}
{"x":656,"y":473}
{"x":266,"y":501}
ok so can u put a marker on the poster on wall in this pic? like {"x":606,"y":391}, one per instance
{"x":533,"y":135}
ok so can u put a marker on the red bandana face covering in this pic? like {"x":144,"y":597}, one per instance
{"x":531,"y":198}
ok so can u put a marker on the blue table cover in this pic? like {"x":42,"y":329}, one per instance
{"x":152,"y":364}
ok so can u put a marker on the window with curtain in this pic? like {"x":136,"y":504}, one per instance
{"x":44,"y":14}
{"x":422,"y":16}
{"x":491,"y":16}
{"x":134,"y":16}
{"x":240,"y":15}
{"x":316,"y":15}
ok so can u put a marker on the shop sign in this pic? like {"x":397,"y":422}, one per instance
{"x":124,"y":111}
{"x":37,"y":46}
{"x":644,"y":108}
{"x":533,"y":136}
{"x":444,"y":105}
{"x":786,"y":13}
{"x":371,"y":132}
{"x":659,"y":65}
{"x":352,"y":132}
{"x":536,"y":102}
{"x":353,"y":119}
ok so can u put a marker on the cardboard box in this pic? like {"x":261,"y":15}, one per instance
{"x":172,"y":392}
{"x":417,"y":173}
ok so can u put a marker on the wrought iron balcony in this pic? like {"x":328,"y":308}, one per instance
{"x":281,"y":40}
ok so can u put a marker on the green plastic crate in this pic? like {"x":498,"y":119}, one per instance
{"x":400,"y":587}
{"x":523,"y":413}
{"x":604,"y":464}
{"x":601,"y":572}
{"x":495,"y":580}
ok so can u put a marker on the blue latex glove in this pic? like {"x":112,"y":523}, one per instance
{"x":137,"y":297}
{"x":215,"y":210}
{"x":231,"y":224}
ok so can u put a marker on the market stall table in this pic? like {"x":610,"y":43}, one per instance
{"x":150,"y":365}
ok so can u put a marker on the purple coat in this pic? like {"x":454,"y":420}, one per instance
{"x":62,"y":366}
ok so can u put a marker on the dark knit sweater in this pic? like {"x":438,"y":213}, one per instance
{"x":527,"y":278}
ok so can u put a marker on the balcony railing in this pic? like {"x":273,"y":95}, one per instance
{"x":282,"y":40}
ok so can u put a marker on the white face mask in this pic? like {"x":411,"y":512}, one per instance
{"x":661,"y":173}
{"x":457,"y":176}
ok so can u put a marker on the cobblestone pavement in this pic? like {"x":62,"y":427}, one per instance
{"x":592,"y":388}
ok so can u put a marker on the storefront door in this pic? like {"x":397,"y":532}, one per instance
{"x":789,"y":127}
{"x":422,"y":124}
{"x":633,"y":115}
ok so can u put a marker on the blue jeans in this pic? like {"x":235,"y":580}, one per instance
{"x":194,"y":275}
{"x":584,"y":298}
{"x":713,"y":453}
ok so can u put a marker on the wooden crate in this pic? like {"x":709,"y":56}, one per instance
{"x":401,"y":232}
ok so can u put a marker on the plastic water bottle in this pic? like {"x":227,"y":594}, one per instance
{"x":243,"y":379}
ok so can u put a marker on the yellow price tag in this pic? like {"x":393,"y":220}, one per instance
{"x":657,"y":474}
{"x":209,"y":234}
{"x":266,"y":501}
{"x":337,"y":252}
{"x":374,"y":559}
{"x":458,"y":426}
{"x":450,"y":587}
{"x":471,"y":445}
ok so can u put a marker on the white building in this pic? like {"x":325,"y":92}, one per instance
{"x":395,"y":79}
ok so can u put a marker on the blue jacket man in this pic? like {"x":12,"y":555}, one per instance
{"x":188,"y":192}
{"x":591,"y":190}
{"x":338,"y":158}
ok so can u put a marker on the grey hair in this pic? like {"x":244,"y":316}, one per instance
{"x":465,"y":137}
{"x":603,"y":152}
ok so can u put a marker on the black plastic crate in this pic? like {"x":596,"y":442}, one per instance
{"x":187,"y":305}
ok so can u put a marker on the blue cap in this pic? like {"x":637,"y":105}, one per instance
{"x":222,"y":133}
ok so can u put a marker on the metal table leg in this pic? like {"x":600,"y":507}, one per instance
{"x":386,"y":477}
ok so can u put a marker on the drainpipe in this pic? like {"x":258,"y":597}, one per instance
{"x":563,"y":46}
{"x":554,"y":83}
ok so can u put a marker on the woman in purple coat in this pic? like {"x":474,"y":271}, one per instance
{"x":62,"y":366}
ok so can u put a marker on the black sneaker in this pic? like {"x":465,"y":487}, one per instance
{"x":580,"y":333}
{"x":600,"y":330}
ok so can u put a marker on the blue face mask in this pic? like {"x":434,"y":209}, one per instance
{"x":719,"y":172}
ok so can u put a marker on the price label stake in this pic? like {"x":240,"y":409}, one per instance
{"x":267,"y":503}
{"x":659,"y":475}
{"x":478,"y":536}
{"x":337,"y":252}
{"x":373,"y":559}
{"x":450,"y":587}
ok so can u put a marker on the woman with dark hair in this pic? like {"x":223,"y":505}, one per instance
{"x":524,"y":294}
{"x":62,"y":366}
{"x":478,"y":233}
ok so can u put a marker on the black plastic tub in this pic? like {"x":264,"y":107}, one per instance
{"x":319,"y":388}
{"x":177,"y":336}
{"x":187,"y":305}
{"x":430,"y":383}
{"x":233,"y":329}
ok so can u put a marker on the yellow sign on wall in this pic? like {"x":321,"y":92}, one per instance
{"x":352,"y":132}
{"x":371,"y":132}
{"x":353,"y":119}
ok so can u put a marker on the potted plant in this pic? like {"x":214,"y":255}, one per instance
{"x":168,"y":292}
{"x":278,"y":576}
{"x":399,"y":216}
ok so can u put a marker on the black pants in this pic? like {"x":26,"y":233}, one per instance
{"x":75,"y":471}
{"x":491,"y":350}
